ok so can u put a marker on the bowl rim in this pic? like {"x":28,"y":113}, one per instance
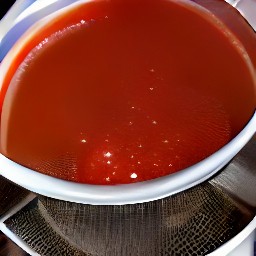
{"x":127,"y":193}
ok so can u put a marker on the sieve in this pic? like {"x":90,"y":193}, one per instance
{"x":138,"y":192}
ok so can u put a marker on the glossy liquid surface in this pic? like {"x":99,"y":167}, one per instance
{"x":134,"y":91}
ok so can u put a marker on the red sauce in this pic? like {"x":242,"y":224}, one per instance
{"x":133,"y":91}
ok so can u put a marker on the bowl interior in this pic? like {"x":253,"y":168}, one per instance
{"x":131,"y":193}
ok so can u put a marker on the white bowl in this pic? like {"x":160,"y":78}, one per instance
{"x":114,"y":194}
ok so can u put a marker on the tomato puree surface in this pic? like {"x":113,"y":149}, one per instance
{"x":132,"y":91}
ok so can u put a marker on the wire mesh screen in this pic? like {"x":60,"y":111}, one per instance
{"x":191,"y":223}
{"x":10,"y":195}
{"x":195,"y":222}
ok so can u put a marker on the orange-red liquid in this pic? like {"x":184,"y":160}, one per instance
{"x":133,"y":91}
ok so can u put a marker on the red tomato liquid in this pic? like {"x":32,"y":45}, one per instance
{"x":133,"y":91}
